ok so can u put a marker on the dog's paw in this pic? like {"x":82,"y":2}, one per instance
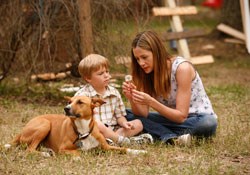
{"x":7,"y":146}
{"x":135,"y":151}
{"x":45,"y":154}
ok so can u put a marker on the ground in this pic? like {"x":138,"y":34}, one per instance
{"x":227,"y":82}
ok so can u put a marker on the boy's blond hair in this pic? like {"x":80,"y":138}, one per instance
{"x":92,"y":63}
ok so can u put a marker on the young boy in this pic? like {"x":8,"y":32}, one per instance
{"x":110,"y":117}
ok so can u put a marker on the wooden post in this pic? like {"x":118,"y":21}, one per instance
{"x":85,"y":24}
{"x":245,"y":13}
{"x":177,"y":30}
{"x":176,"y":26}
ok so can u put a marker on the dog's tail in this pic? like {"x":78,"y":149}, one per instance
{"x":14,"y":142}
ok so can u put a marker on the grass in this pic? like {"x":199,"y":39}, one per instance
{"x":227,"y":82}
{"x":227,"y":153}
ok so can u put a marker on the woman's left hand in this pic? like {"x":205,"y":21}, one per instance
{"x":141,"y":97}
{"x":127,"y":89}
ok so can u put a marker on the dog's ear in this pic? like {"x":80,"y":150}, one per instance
{"x":67,"y":98}
{"x":97,"y":102}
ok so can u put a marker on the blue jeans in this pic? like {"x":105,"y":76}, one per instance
{"x":200,"y":125}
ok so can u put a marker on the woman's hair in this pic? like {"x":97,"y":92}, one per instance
{"x":92,"y":63}
{"x":156,"y":83}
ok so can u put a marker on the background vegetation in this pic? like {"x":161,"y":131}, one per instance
{"x":227,"y":83}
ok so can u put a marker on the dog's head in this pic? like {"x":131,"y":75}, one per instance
{"x":81,"y":106}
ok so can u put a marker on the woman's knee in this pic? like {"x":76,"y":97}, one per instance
{"x":206,"y":127}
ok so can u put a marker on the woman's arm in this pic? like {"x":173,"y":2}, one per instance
{"x":184,"y":76}
{"x":139,"y":109}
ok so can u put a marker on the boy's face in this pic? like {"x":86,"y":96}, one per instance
{"x":99,"y":78}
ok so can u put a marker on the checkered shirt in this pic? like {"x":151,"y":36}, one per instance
{"x":111,"y":110}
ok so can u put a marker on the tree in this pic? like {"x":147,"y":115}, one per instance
{"x":85,"y":24}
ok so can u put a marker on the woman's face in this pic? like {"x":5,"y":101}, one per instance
{"x":144,"y":58}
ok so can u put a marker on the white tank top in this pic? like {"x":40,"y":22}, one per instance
{"x":199,"y":102}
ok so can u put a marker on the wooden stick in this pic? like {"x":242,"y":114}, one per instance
{"x":202,"y":59}
{"x":234,"y":40}
{"x":231,"y":31}
{"x":165,"y":11}
{"x":184,"y":34}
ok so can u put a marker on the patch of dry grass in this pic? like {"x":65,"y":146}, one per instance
{"x":227,"y":153}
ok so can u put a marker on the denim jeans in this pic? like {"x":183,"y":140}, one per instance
{"x":200,"y":125}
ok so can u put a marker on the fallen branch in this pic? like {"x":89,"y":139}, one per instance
{"x":50,"y":76}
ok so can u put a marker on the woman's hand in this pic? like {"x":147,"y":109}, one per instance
{"x":141,"y":97}
{"x":139,"y":101}
{"x":127,"y":88}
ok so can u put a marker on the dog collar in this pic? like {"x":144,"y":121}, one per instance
{"x":83,"y":136}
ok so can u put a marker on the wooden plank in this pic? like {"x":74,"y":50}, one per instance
{"x":195,"y":60}
{"x":234,"y":40}
{"x":165,"y":11}
{"x":176,"y":26}
{"x":231,"y":31}
{"x":202,"y":59}
{"x":185,"y":34}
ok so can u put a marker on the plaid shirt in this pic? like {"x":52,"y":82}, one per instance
{"x":111,"y":110}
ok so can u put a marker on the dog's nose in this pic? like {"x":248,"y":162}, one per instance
{"x":67,"y":109}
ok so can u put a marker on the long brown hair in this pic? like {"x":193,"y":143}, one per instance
{"x":156,"y":83}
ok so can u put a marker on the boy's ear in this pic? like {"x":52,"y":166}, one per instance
{"x":87,"y":79}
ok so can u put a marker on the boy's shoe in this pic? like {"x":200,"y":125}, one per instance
{"x":184,"y":140}
{"x":142,"y":139}
{"x":123,"y":141}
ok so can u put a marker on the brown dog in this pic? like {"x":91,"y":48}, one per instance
{"x":63,"y":133}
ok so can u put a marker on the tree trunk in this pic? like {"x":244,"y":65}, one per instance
{"x":85,"y":25}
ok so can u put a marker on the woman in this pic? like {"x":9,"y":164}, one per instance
{"x":172,"y":88}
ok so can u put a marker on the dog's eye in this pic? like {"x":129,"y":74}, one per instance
{"x":79,"y":102}
{"x":69,"y":102}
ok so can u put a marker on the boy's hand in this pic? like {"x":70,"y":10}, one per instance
{"x":128,"y":125}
